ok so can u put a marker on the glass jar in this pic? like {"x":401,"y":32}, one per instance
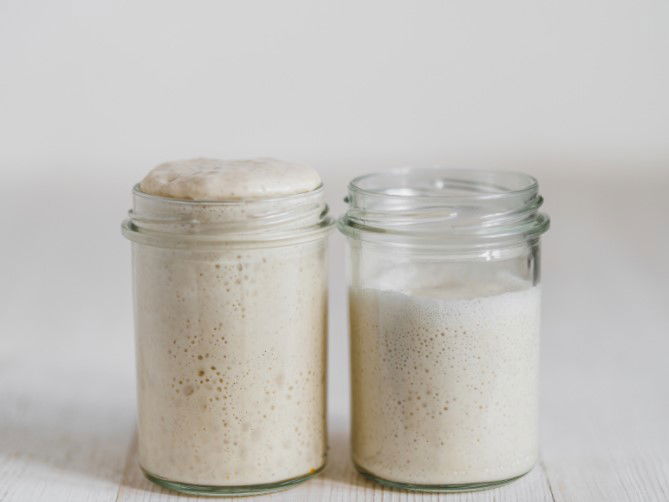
{"x":444,"y":323}
{"x":231,"y":325}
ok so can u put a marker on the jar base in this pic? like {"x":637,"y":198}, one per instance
{"x":228,"y":491}
{"x":447,"y":488}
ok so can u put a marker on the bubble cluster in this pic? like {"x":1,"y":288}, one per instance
{"x":231,"y":363}
{"x":444,"y":390}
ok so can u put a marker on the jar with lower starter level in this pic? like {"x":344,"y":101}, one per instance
{"x":444,"y":325}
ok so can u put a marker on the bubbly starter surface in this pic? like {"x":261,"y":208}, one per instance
{"x":229,"y":180}
{"x":444,"y":388}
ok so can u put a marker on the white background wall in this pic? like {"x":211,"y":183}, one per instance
{"x":92,"y":94}
{"x":117,"y":86}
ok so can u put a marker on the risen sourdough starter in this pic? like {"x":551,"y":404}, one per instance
{"x":445,"y":385}
{"x":230,"y":342}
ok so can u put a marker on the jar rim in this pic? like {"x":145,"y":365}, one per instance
{"x":137,"y":192}
{"x":444,"y":208}
{"x":531,"y":184}
{"x":272,"y":221}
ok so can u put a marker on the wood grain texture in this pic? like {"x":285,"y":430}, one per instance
{"x":62,"y":437}
{"x":67,"y":411}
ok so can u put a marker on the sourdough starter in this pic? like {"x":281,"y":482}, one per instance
{"x":230,"y":342}
{"x":445,"y":383}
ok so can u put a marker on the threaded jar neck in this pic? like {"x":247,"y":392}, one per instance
{"x":167,"y":222}
{"x":444,"y":208}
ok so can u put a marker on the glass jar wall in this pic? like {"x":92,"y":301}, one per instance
{"x":230,"y":321}
{"x":444,"y":323}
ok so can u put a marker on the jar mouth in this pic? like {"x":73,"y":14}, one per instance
{"x":451,"y":184}
{"x":137,"y":192}
{"x":170,"y":222}
{"x":440,"y":207}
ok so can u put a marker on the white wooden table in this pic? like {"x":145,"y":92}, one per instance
{"x":67,"y":428}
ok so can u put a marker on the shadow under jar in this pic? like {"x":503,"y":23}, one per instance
{"x":444,"y":323}
{"x":231,"y":326}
